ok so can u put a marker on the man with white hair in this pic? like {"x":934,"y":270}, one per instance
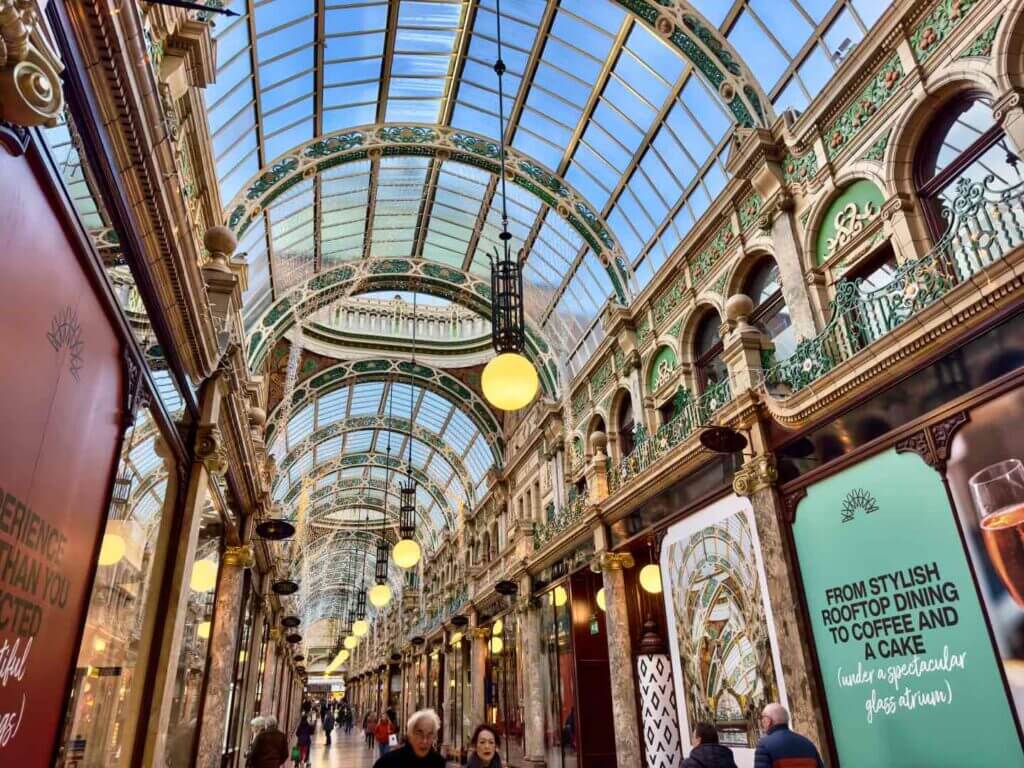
{"x":780,"y":746}
{"x":270,"y":747}
{"x":418,"y":750}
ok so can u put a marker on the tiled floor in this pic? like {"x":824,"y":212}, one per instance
{"x":344,"y":752}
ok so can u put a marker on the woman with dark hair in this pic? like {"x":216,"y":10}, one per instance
{"x":485,"y":748}
{"x":707,"y":752}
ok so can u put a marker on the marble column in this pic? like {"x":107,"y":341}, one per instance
{"x":479,"y":637}
{"x":533,"y":687}
{"x":795,"y":291}
{"x":223,"y":654}
{"x":620,"y":658}
{"x":756,"y":480}
{"x":268,"y":700}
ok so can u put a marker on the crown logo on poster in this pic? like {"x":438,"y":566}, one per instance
{"x":858,"y":500}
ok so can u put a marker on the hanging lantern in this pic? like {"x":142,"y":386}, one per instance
{"x":509,"y":380}
{"x":360,"y":608}
{"x":407,"y":550}
{"x":122,"y":487}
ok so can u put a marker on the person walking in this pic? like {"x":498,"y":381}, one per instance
{"x":304,"y":737}
{"x":269,"y":748}
{"x":369,"y":725}
{"x":707,"y":752}
{"x":418,"y":750}
{"x":328,"y":726}
{"x":779,"y":743}
{"x":382,"y":733}
{"x":485,"y":745}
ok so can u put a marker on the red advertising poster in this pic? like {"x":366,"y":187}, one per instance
{"x":60,"y":408}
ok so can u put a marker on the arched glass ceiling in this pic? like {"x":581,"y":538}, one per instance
{"x":793,"y":46}
{"x":590,"y":92}
{"x":449,"y":428}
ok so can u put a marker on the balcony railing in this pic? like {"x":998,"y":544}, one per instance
{"x":563,"y":520}
{"x":984,"y":224}
{"x":693,"y":413}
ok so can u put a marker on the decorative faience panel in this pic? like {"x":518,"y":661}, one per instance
{"x":749,"y":209}
{"x":602,"y":376}
{"x":938,"y":25}
{"x":712,"y":253}
{"x":877,"y":149}
{"x":669,"y":300}
{"x":797,"y":169}
{"x":858,"y":113}
{"x":982,"y":45}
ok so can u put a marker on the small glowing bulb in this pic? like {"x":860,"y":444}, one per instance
{"x":99,"y":645}
{"x":360,"y":627}
{"x":600,"y":599}
{"x":497,"y":645}
{"x":380,"y":595}
{"x":203,"y":630}
{"x":112,"y":549}
{"x":498,"y":627}
{"x":561,"y":596}
{"x":351,"y":642}
{"x":204,"y":576}
{"x":406,"y":553}
{"x":650,"y":579}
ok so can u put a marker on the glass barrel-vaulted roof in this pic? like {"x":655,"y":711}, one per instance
{"x":447,"y":446}
{"x":592,"y":92}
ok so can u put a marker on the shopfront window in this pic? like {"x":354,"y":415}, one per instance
{"x":234,"y":751}
{"x":503,"y":681}
{"x":191,"y":663}
{"x":105,"y":697}
{"x":558,"y":680}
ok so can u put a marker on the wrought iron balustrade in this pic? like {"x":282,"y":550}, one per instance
{"x":693,"y":413}
{"x":563,"y":520}
{"x":983,"y":225}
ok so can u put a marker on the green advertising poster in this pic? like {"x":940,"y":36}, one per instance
{"x":908,"y":667}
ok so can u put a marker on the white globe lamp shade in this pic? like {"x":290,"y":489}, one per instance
{"x":350,"y":642}
{"x":204,"y":576}
{"x":380,"y":595}
{"x":650,"y":579}
{"x":203,"y":630}
{"x":360,"y":627}
{"x":406,"y":553}
{"x":600,"y":599}
{"x":112,"y":549}
{"x":509,"y":381}
{"x":498,"y":627}
{"x":561,"y":597}
{"x":497,"y":645}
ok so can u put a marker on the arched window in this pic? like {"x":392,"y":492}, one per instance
{"x":625,"y":426}
{"x":771,"y":314}
{"x":707,"y":352}
{"x":963,"y":142}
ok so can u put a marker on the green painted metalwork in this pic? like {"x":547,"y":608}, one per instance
{"x":561,"y":521}
{"x":692,"y":415}
{"x":984,"y":224}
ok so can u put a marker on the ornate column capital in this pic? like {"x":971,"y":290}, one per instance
{"x":758,"y":473}
{"x":479,"y":633}
{"x":612,"y":561}
{"x":210,"y":450}
{"x":240,"y":557}
{"x":30,"y":87}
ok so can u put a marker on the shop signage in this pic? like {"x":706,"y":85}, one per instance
{"x":906,"y":660}
{"x":60,"y":415}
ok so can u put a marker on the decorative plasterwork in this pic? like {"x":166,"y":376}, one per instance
{"x":749,"y":209}
{"x":669,"y":300}
{"x":30,"y":85}
{"x":799,"y":169}
{"x":758,"y":473}
{"x":711,"y":54}
{"x":385,"y":140}
{"x":344,"y":374}
{"x":464,"y":288}
{"x":876,"y":151}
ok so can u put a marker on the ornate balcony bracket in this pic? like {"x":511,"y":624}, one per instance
{"x":240,"y":557}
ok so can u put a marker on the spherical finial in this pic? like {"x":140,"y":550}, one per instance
{"x":738,"y":306}
{"x":257,"y":417}
{"x":599,"y":441}
{"x":220,"y":239}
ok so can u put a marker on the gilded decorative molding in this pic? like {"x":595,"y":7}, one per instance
{"x":240,"y":557}
{"x":757,"y":474}
{"x":612,"y":561}
{"x":479,"y":633}
{"x":210,"y":450}
{"x":30,"y":86}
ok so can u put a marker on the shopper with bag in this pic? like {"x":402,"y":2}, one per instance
{"x":384,"y":734}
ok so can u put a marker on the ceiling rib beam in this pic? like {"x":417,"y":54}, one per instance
{"x":455,"y":69}
{"x":532,"y":62}
{"x":319,"y":43}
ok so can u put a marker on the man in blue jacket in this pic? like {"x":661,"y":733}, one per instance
{"x":780,"y":746}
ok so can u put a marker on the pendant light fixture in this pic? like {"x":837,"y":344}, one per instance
{"x":407,"y":550}
{"x":380,"y":592}
{"x":509,"y":380}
